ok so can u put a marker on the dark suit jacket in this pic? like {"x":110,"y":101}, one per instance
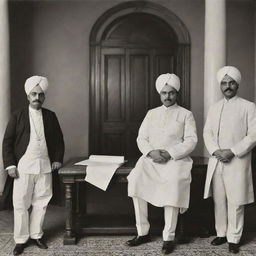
{"x":15,"y":143}
{"x":17,"y":135}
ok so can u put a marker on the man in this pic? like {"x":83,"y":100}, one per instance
{"x":33,"y":146}
{"x":162,"y":175}
{"x":229,"y":136}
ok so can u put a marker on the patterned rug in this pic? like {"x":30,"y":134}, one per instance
{"x":115,"y":246}
{"x":108,"y":245}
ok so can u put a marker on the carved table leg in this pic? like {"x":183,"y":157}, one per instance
{"x":69,"y":237}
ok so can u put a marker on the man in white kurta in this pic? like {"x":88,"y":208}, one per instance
{"x":229,"y":136}
{"x":30,"y":153}
{"x":162,"y":175}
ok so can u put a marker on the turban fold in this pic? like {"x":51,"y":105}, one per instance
{"x":33,"y":81}
{"x":170,"y":79}
{"x":230,"y":71}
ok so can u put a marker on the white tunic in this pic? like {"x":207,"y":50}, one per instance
{"x":36,"y":159}
{"x":172,"y":129}
{"x":231,"y":125}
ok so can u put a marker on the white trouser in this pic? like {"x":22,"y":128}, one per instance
{"x":35,"y":190}
{"x":229,"y":218}
{"x":142,"y":224}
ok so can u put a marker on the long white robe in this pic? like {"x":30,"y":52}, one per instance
{"x":231,"y":125}
{"x":172,"y":129}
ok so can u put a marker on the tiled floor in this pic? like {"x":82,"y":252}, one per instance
{"x":107,"y":245}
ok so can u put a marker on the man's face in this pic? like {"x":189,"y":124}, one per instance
{"x":36,"y":97}
{"x":229,"y":87}
{"x":168,"y":95}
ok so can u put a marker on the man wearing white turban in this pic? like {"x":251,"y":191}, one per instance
{"x":229,"y":136}
{"x":33,"y":146}
{"x":162,"y":175}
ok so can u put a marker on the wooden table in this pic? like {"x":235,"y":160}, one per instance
{"x":73,"y":175}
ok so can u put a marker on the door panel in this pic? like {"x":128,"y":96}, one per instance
{"x":112,"y":91}
{"x":113,"y":143}
{"x":113,"y":85}
{"x":139,"y":84}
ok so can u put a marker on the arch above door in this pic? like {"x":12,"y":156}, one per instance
{"x":139,"y":7}
{"x":113,"y":63}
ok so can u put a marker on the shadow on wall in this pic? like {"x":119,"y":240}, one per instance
{"x":21,"y":50}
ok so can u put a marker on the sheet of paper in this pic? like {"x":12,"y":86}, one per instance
{"x":101,"y":159}
{"x":101,"y":168}
{"x":100,"y":176}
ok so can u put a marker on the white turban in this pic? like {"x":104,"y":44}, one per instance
{"x":170,"y":79}
{"x":230,"y":71}
{"x":33,"y":81}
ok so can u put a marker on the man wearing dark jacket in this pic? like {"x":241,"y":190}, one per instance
{"x":33,"y":146}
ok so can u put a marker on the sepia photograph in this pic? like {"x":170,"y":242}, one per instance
{"x":127,"y":127}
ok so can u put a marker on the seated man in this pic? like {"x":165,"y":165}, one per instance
{"x":162,"y":175}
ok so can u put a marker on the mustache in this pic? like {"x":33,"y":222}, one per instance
{"x":228,"y":89}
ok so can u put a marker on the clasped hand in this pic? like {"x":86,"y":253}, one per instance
{"x":159,"y":156}
{"x":224,"y":155}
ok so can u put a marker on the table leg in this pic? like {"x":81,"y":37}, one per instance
{"x":69,"y":237}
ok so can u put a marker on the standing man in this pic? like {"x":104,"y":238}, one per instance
{"x":33,"y":146}
{"x":229,"y":136}
{"x":162,"y":175}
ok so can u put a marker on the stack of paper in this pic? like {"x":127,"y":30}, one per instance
{"x":100,"y":169}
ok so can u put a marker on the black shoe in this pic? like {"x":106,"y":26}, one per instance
{"x":40,"y":243}
{"x":234,"y":248}
{"x":219,"y":240}
{"x":138,"y":240}
{"x":18,"y":249}
{"x":168,"y":247}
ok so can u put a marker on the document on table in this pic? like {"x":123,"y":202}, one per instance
{"x":101,"y":168}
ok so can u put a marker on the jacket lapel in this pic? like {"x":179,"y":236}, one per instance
{"x":47,"y":128}
{"x":26,"y":120}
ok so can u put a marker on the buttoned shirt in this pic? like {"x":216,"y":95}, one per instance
{"x":226,"y":119}
{"x":36,"y":159}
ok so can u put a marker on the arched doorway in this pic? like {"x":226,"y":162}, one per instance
{"x":131,"y":44}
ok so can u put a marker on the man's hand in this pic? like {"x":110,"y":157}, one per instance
{"x":13,"y":172}
{"x":56,"y":165}
{"x":166,"y":155}
{"x":218,"y":154}
{"x":228,"y":154}
{"x":224,"y":155}
{"x":156,"y":156}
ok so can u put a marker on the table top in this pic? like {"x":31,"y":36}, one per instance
{"x":70,"y":169}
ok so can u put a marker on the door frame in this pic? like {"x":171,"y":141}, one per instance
{"x":96,"y":38}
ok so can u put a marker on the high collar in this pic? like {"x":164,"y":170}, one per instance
{"x":170,"y":107}
{"x":35,"y":111}
{"x":230,"y":100}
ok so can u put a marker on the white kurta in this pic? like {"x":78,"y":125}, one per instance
{"x":231,"y":125}
{"x":172,"y":129}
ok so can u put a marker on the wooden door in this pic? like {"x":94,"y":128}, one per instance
{"x":127,"y":92}
{"x":126,"y":60}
